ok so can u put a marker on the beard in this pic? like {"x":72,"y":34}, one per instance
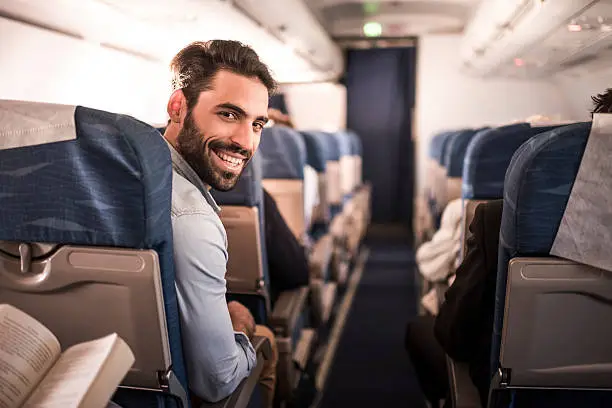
{"x":196,"y":149}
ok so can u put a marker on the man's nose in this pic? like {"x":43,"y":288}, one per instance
{"x":243,"y":137}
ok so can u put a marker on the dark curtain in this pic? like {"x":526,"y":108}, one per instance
{"x":381,"y":93}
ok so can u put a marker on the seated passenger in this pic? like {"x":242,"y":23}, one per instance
{"x":217,"y":112}
{"x":280,"y":118}
{"x":464,"y":323}
{"x":287,"y":262}
{"x":436,"y":258}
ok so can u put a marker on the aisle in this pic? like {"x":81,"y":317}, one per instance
{"x":370,"y":368}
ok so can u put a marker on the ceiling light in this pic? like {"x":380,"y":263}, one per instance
{"x":372,"y":29}
{"x":606,"y":28}
{"x":574,"y":27}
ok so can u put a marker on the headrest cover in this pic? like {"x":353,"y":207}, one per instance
{"x":456,"y":152}
{"x":34,"y":123}
{"x":283,"y":153}
{"x":311,"y":192}
{"x":584,"y":235}
{"x":248,"y":191}
{"x":111,"y":185}
{"x":537,"y":187}
{"x":316,"y":150}
{"x":488,"y":156}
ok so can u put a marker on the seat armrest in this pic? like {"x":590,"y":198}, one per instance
{"x":241,"y":396}
{"x":287,"y":309}
{"x":463,"y":392}
{"x":262,"y":346}
{"x":320,"y":256}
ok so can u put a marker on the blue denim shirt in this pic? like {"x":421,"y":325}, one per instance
{"x":217,"y":358}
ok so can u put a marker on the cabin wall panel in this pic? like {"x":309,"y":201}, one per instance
{"x":579,"y":89}
{"x":41,"y":65}
{"x":317,"y":106}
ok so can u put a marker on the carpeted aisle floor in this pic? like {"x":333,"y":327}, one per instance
{"x":370,"y":368}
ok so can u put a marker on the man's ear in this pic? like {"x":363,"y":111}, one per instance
{"x":177,"y":106}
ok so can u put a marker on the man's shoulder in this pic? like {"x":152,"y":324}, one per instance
{"x":193,"y":218}
{"x":187,"y":199}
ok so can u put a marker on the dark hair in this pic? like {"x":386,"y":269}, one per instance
{"x":195,"y":66}
{"x":603,"y":102}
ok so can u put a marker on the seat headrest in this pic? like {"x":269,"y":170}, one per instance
{"x":343,"y":143}
{"x":333,"y":148}
{"x":316,"y":150}
{"x":356,"y":146}
{"x":283,"y":153}
{"x":446,"y":144}
{"x":456,"y":152}
{"x":110,"y":185}
{"x":488,"y":156}
{"x":537,"y":187}
{"x":436,"y":146}
{"x":248,"y":191}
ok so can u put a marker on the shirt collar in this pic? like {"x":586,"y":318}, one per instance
{"x":184,"y":169}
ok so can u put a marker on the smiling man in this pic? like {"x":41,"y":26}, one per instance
{"x":217,"y":112}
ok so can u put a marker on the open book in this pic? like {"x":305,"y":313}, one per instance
{"x":35,"y":373}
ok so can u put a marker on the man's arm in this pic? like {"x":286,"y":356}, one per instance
{"x":456,"y":326}
{"x":217,"y":358}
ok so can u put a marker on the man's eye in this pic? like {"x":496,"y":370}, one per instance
{"x":229,"y":115}
{"x":258,"y":126}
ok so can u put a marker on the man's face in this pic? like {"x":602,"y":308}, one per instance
{"x":222,"y":132}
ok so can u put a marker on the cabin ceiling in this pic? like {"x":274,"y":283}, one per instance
{"x":345,"y":19}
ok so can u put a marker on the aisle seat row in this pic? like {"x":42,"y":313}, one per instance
{"x":550,"y":347}
{"x":86,"y":221}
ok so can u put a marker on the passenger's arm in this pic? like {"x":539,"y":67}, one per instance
{"x":217,"y":358}
{"x":287,"y":262}
{"x":457,"y":323}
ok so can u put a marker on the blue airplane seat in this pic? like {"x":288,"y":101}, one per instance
{"x":316,"y":157}
{"x":283,"y":153}
{"x":537,"y":187}
{"x":248,"y":193}
{"x":488,"y":156}
{"x":108,"y":186}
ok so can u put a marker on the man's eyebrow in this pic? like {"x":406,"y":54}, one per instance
{"x":233,"y":107}
{"x":240,"y":111}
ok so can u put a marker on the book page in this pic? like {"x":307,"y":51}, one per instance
{"x":27,"y":351}
{"x":69,"y":380}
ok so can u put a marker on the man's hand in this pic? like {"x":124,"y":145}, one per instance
{"x":242,"y":319}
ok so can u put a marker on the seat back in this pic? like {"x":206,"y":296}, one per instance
{"x":242,"y":215}
{"x":85,"y":221}
{"x":356,"y":153}
{"x":347,"y":172}
{"x":316,"y":157}
{"x":334,"y":178}
{"x":486,"y":159}
{"x":550,"y":314}
{"x":455,"y":156}
{"x":288,"y":178}
{"x":440,"y":186}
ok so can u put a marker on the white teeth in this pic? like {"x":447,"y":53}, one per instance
{"x":233,"y":160}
